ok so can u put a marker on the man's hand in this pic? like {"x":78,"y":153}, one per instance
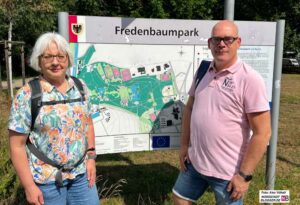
{"x":183,"y":157}
{"x":34,"y":195}
{"x":238,"y":187}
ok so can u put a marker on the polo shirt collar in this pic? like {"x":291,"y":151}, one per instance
{"x":231,"y":69}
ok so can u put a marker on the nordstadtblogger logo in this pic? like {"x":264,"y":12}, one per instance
{"x":76,"y":28}
{"x":284,"y":198}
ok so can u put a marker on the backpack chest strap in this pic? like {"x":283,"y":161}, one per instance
{"x":62,"y":101}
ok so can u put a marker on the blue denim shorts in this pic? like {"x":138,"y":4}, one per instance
{"x":190,"y":185}
{"x":74,"y":192}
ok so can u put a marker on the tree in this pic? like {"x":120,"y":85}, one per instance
{"x":176,"y":9}
{"x":30,"y":18}
{"x":25,"y":20}
{"x":271,"y":10}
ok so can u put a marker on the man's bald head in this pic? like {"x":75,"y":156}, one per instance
{"x":225,"y":25}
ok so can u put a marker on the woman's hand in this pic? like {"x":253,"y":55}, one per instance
{"x":34,"y":195}
{"x":91,"y":171}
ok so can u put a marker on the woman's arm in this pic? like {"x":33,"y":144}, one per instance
{"x":17,"y":144}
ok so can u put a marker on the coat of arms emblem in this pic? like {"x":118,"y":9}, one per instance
{"x":76,"y":28}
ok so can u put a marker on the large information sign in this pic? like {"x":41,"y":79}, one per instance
{"x":140,"y":70}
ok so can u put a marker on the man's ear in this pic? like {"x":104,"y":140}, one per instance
{"x":239,"y":41}
{"x":208,"y":43}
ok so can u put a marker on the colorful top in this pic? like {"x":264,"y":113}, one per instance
{"x":60,"y":131}
{"x":220,"y":130}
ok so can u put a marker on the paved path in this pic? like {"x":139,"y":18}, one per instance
{"x":16,"y":83}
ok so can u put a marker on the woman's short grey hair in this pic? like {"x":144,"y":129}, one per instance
{"x":43,"y":43}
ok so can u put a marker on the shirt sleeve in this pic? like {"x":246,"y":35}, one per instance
{"x":255,"y":98}
{"x":20,"y":112}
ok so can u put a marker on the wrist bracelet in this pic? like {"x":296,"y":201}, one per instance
{"x":91,"y":156}
{"x":91,"y":149}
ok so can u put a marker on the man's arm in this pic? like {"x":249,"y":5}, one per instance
{"x":17,"y":143}
{"x":185,"y":133}
{"x":261,"y":127}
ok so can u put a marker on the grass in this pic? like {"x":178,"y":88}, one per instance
{"x":146,"y":178}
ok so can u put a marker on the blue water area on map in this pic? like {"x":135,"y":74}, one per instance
{"x":95,"y":114}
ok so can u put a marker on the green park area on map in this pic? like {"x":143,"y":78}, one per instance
{"x":143,"y":95}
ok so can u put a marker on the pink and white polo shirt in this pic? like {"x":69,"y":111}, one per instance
{"x":220,"y":131}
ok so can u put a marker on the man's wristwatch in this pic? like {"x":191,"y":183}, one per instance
{"x":247,"y":178}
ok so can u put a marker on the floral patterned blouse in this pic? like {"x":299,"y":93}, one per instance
{"x":60,"y":131}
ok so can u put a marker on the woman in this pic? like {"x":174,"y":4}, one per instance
{"x":63,"y":132}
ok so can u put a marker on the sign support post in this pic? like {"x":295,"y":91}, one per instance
{"x":272,"y":148}
{"x":63,"y":24}
{"x":229,"y":10}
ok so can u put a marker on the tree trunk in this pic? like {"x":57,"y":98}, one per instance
{"x":10,"y":58}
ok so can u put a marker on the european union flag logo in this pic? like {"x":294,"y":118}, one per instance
{"x":160,"y":141}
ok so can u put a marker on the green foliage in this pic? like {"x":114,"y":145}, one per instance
{"x":8,"y":182}
{"x":29,"y":18}
{"x":175,"y":9}
{"x":289,"y":10}
{"x":33,"y":17}
{"x":152,"y":185}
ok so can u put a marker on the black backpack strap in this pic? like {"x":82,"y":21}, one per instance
{"x":201,"y":71}
{"x":55,"y":102}
{"x":36,"y":99}
{"x":79,"y":86}
{"x":36,"y":104}
{"x":41,"y":156}
{"x":61,"y":168}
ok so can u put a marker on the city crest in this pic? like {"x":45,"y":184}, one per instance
{"x":76,"y":28}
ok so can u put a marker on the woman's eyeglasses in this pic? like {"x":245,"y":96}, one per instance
{"x":50,"y":58}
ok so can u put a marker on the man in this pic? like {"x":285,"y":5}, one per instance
{"x":216,"y":148}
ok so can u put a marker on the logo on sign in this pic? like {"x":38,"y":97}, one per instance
{"x":76,"y":28}
{"x":285,"y":198}
{"x":274,"y":196}
{"x":160,"y":141}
